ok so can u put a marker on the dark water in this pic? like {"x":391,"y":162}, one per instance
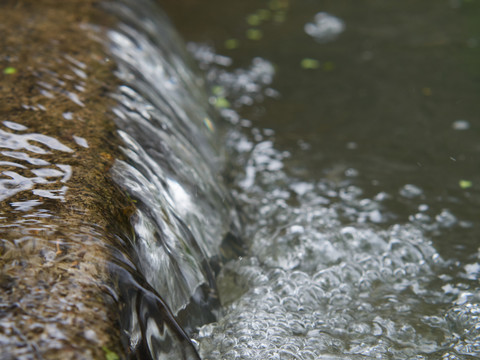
{"x":357,"y":155}
{"x":402,"y":74}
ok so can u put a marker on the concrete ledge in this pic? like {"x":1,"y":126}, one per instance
{"x":60,"y":211}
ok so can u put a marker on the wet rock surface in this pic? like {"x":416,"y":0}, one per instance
{"x":58,"y":205}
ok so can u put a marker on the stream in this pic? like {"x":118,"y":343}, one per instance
{"x":297,"y":180}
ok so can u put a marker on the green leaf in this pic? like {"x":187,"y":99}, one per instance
{"x":217,"y":90}
{"x":465,"y":184}
{"x":309,"y":63}
{"x":222,"y":103}
{"x":254,"y":34}
{"x":109,"y":354}
{"x":253,"y":20}
{"x":231,"y":44}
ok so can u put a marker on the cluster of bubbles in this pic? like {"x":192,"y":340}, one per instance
{"x":331,"y":274}
{"x":319,"y":284}
{"x":244,"y":87}
{"x":325,"y":28}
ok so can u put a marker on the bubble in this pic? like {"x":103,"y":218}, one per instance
{"x":446,"y":219}
{"x":325,"y":28}
{"x":411,"y":191}
{"x":461,"y":125}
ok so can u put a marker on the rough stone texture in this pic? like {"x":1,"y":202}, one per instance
{"x":58,"y":203}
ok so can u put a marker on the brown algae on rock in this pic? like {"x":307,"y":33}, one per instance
{"x":59,"y":209}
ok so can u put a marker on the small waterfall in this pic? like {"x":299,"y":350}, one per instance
{"x":185,"y":223}
{"x":133,"y":226}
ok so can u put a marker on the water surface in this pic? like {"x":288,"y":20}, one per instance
{"x":356,"y":158}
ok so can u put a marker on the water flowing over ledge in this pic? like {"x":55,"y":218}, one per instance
{"x":119,"y":238}
{"x":152,"y":241}
{"x":185,"y":224}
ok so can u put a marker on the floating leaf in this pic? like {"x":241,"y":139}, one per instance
{"x":254,"y":34}
{"x":109,"y":354}
{"x":308,"y":63}
{"x":222,"y":103}
{"x":217,"y":90}
{"x":465,"y":184}
{"x":231,"y":44}
{"x":9,"y":70}
{"x":253,"y":20}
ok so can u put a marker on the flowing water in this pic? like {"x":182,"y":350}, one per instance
{"x":185,"y":223}
{"x":350,"y":134}
{"x":128,"y":109}
{"x":354,"y":141}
